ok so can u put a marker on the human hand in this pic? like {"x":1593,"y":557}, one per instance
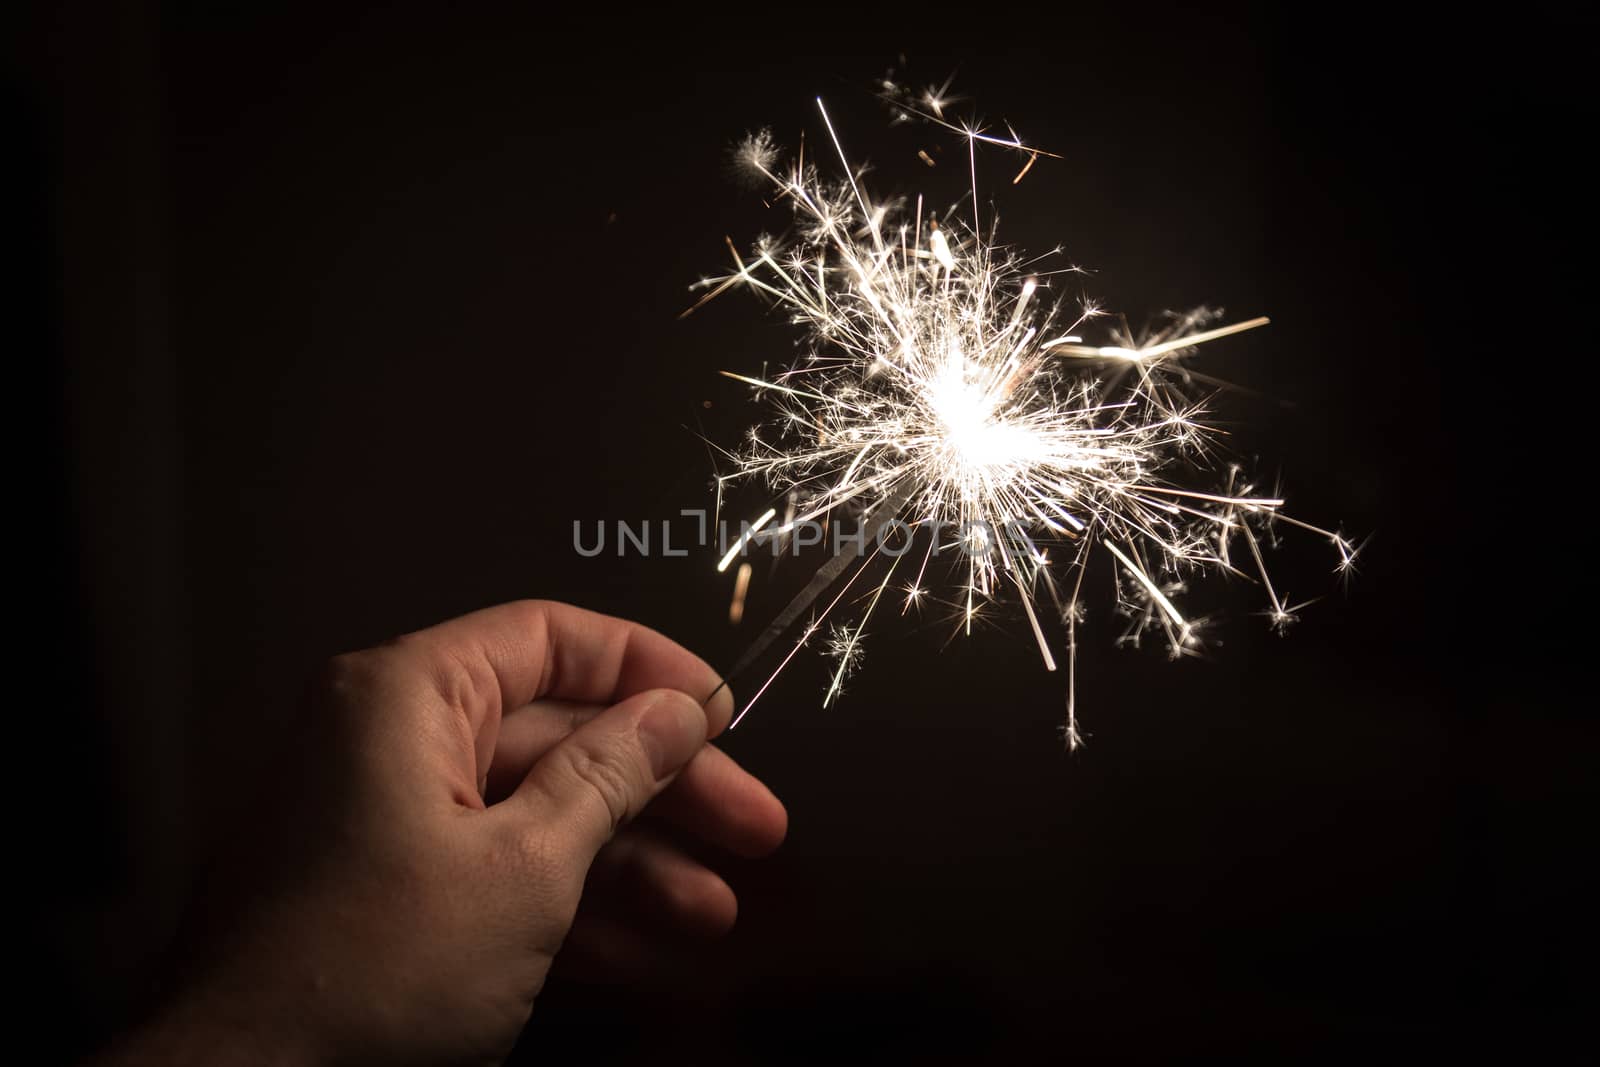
{"x":419,"y":862}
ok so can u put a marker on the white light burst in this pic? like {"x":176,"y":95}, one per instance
{"x":946,"y":394}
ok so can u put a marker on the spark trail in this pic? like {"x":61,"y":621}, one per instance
{"x":945,"y":395}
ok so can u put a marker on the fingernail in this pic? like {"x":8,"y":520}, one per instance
{"x":671,"y":729}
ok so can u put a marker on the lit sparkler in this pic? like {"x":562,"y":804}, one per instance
{"x":960,"y":414}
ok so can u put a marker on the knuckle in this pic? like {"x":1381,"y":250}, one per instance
{"x":541,"y":873}
{"x":466,"y":681}
{"x":529,"y":848}
{"x":356,"y":693}
{"x":346,"y":678}
{"x":603,"y":776}
{"x":406,"y":644}
{"x":535,"y":608}
{"x":529,"y":615}
{"x":541,"y":853}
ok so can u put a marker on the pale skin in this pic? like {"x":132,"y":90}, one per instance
{"x":417,"y":864}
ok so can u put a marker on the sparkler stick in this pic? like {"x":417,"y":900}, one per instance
{"x":944,"y":382}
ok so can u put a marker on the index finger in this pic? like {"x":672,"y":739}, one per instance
{"x":514,"y":654}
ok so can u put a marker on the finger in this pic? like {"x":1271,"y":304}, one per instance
{"x":601,"y":949}
{"x":526,"y":734}
{"x":724,"y":805}
{"x":713,"y":797}
{"x":540,"y":648}
{"x":507,"y":656}
{"x":578,"y":794}
{"x":661,"y":884}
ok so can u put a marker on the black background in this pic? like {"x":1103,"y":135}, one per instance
{"x":338,"y":320}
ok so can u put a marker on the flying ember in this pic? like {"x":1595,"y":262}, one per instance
{"x":942,"y":388}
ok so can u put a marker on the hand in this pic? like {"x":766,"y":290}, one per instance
{"x":419,"y":859}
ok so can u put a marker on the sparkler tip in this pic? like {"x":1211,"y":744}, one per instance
{"x":939,"y":387}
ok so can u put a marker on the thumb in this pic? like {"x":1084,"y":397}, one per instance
{"x":607,"y":770}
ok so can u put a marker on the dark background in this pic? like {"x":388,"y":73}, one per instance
{"x":333,"y":322}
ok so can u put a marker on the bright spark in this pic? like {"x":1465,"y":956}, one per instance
{"x":944,"y":380}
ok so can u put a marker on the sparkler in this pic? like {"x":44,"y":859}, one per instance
{"x":943,"y":392}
